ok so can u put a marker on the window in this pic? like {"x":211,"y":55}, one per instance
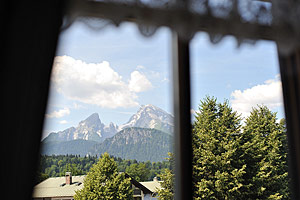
{"x":242,"y":19}
{"x":236,"y":99}
{"x":110,"y":92}
{"x":181,"y":77}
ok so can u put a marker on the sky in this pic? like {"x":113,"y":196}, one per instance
{"x":115,"y":70}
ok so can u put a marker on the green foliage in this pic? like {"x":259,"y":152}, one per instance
{"x":57,"y":165}
{"x":167,"y":184}
{"x":167,"y":191}
{"x":217,"y":170}
{"x":69,"y":168}
{"x":138,"y":171}
{"x":232,"y":161}
{"x":103,"y":181}
{"x":265,"y":153}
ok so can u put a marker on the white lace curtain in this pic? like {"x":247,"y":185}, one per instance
{"x":246,"y":20}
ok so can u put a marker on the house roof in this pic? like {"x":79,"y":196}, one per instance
{"x":139,"y":185}
{"x":153,"y":186}
{"x":55,"y":187}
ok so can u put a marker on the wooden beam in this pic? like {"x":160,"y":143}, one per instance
{"x":290,"y":76}
{"x":182,"y":120}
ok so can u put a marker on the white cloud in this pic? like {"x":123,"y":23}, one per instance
{"x":140,"y":67}
{"x":58,"y":114}
{"x":63,"y":122}
{"x":77,"y":106}
{"x":139,"y":82}
{"x":268,"y":94}
{"x":96,"y":83}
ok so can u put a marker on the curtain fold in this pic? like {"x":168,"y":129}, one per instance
{"x":29,"y":35}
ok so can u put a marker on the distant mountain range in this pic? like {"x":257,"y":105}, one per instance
{"x":146,"y":136}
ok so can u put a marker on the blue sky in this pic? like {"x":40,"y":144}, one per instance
{"x":115,"y":70}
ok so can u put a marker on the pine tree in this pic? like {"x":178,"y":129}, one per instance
{"x":104,"y":182}
{"x":139,"y":172}
{"x":167,"y":178}
{"x":217,"y":170}
{"x":264,"y":145}
{"x":235,"y":162}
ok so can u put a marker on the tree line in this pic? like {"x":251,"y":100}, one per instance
{"x":58,"y":165}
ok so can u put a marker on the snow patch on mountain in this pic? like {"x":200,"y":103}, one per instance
{"x":150,"y":116}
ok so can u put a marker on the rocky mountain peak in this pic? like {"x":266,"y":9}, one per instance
{"x":89,"y":129}
{"x":93,"y":119}
{"x":150,"y":116}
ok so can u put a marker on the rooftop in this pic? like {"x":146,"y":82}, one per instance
{"x":153,"y":186}
{"x":56,"y":187}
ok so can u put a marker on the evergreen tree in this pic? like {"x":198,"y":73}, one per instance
{"x":71,"y":168}
{"x":104,"y":182}
{"x":217,"y":170}
{"x":138,"y":171}
{"x":167,"y":178}
{"x":264,"y":146}
{"x":232,"y":164}
{"x":167,"y":184}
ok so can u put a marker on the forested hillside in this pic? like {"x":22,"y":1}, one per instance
{"x":141,"y":144}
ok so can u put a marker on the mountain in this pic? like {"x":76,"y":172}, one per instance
{"x":91,"y":129}
{"x":145,"y":136}
{"x":150,"y":116}
{"x":74,"y":147}
{"x":141,"y":144}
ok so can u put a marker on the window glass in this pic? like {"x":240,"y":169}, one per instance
{"x":110,"y":92}
{"x":239,"y":135}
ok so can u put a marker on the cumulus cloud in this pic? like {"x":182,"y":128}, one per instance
{"x":138,"y":82}
{"x":58,"y":114}
{"x":268,"y":94}
{"x":96,"y":83}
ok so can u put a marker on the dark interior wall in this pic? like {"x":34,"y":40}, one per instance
{"x":29,"y":35}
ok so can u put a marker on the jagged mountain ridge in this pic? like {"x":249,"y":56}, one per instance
{"x":89,"y":129}
{"x":148,"y":116}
